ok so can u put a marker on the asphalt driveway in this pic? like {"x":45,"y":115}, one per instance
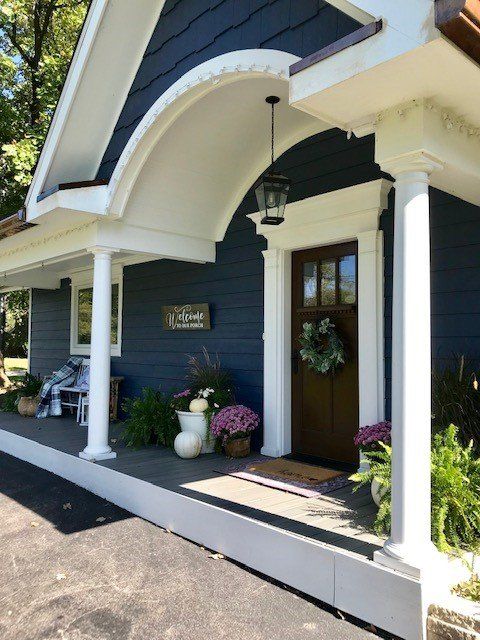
{"x":74,"y":566}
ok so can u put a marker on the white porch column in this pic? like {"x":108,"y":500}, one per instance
{"x":277,"y":339}
{"x":409,"y":548}
{"x":99,"y":396}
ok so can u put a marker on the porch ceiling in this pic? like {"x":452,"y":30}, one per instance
{"x":200,"y":166}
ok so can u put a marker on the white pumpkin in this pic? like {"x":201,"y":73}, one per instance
{"x":188,"y":444}
{"x":198,"y":405}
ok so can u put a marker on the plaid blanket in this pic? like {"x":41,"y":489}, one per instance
{"x":50,"y":402}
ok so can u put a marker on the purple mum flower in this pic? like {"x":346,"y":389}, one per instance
{"x":182,"y":394}
{"x":370,"y":435}
{"x":232,"y":422}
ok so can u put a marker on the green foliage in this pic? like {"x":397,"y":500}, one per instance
{"x":151,"y":420}
{"x":37,"y":39}
{"x":28,"y":386}
{"x":456,"y":400}
{"x":455,"y":491}
{"x":380,"y":469}
{"x":208,"y":374}
{"x":469,"y":589}
{"x":16,"y":324}
{"x":322,"y":349}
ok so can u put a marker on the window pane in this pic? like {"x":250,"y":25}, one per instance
{"x":114,"y":325}
{"x":328,"y":282}
{"x":310,"y":284}
{"x":347,"y":268}
{"x":85,"y":298}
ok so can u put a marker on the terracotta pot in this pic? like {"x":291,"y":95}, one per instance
{"x":27,"y":406}
{"x":238,"y":448}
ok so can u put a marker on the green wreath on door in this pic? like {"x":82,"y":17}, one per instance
{"x":322,"y":348}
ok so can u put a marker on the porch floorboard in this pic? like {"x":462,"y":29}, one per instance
{"x":341,"y":518}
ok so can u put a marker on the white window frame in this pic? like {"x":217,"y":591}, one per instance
{"x":84,"y":280}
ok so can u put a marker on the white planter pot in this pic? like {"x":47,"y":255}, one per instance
{"x":196,"y":422}
{"x":377,"y":491}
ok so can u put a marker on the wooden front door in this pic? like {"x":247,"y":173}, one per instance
{"x":325,"y":407}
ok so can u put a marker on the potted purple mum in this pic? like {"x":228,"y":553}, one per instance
{"x":233,"y":426}
{"x":368,"y":438}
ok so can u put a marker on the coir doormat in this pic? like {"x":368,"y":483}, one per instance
{"x":302,"y":479}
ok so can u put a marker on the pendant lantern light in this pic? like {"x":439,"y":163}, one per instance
{"x":272,"y":188}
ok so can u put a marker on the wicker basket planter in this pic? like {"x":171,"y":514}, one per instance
{"x":239,"y":448}
{"x":27,"y":406}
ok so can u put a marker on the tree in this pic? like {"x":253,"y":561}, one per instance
{"x":37,"y":39}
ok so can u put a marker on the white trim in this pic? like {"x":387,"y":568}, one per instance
{"x":339,"y":216}
{"x":104,"y":65}
{"x":392,"y":601}
{"x":277,"y":349}
{"x":83,"y":279}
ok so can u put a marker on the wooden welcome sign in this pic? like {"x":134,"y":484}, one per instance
{"x":186,"y":317}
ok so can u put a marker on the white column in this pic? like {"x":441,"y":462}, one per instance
{"x":409,"y":547}
{"x":99,"y":396}
{"x":277,"y":341}
{"x":370,"y":329}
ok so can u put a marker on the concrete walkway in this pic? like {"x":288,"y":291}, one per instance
{"x":75,"y":567}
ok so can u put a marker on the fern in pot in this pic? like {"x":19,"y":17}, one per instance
{"x":370,"y":439}
{"x":455,"y":473}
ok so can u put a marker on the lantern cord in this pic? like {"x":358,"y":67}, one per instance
{"x":273,"y":131}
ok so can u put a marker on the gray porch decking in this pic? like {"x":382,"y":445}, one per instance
{"x":340,"y":518}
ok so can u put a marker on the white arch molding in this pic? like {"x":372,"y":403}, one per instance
{"x":200,"y":101}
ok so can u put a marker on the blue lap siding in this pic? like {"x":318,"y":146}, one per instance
{"x":190,"y":32}
{"x":233,"y":286}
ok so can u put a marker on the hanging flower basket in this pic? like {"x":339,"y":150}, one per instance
{"x":322,"y":348}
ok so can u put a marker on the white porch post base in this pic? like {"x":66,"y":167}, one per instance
{"x":92,"y":457}
{"x":409,"y":548}
{"x":98,"y":419}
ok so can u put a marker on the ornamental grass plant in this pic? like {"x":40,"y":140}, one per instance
{"x":456,"y":400}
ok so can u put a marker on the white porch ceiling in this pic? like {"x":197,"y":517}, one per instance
{"x":201,"y":167}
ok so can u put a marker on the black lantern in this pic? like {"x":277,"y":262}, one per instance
{"x":272,"y":188}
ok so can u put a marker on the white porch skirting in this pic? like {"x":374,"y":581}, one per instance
{"x":360,"y":587}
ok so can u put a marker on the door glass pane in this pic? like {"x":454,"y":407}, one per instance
{"x":347,"y":276}
{"x":85,"y":299}
{"x":328,"y":282}
{"x":310,"y":284}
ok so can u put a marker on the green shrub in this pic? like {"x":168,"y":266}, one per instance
{"x":151,"y":420}
{"x":456,"y":400}
{"x":455,"y":491}
{"x":27,"y":386}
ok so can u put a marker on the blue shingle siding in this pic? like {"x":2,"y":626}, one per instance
{"x":455,"y":283}
{"x":190,"y":32}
